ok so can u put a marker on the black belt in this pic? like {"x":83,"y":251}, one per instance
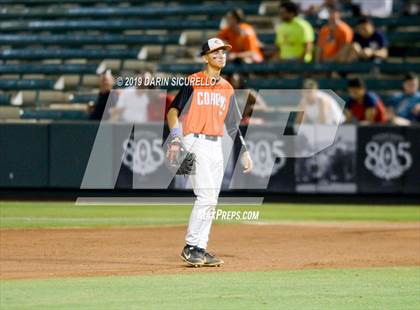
{"x":207,"y":137}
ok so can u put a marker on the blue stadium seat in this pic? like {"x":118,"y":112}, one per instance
{"x":334,"y":84}
{"x":271,"y":68}
{"x":34,"y":54}
{"x":399,"y":68}
{"x":19,"y":84}
{"x":5,"y":99}
{"x":37,"y":113}
{"x":393,"y":37}
{"x":83,"y":98}
{"x":404,"y":51}
{"x":106,"y":25}
{"x":53,"y":69}
{"x":82,"y":39}
{"x":88,"y":2}
{"x":408,"y":37}
{"x":131,"y":11}
{"x":297,"y":68}
{"x":55,"y":2}
{"x":402,"y":21}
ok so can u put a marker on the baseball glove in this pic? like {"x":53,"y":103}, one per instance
{"x":179,"y":158}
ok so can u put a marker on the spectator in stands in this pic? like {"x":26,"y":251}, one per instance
{"x":318,"y":107}
{"x":376,"y":8}
{"x":363,"y":106}
{"x":242,"y":37}
{"x":133,"y":102}
{"x":156,"y":111}
{"x":294,"y":36}
{"x":368,"y":43}
{"x":410,"y":7}
{"x":106,"y":82}
{"x":404,"y":107}
{"x":334,"y":38}
{"x":316,"y":8}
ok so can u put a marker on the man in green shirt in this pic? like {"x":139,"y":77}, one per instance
{"x":294,"y":36}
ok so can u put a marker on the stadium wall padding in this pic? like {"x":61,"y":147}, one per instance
{"x":24,"y":156}
{"x":365,"y":159}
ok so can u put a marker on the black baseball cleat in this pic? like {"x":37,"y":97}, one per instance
{"x":211,"y":260}
{"x":192,"y":256}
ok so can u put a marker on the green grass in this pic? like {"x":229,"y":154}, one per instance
{"x":381,"y":288}
{"x":47,"y":214}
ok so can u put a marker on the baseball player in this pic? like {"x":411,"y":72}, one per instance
{"x":196,"y":120}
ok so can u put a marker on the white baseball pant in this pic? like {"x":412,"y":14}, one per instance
{"x":206,"y":184}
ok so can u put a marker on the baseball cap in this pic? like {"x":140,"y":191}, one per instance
{"x":212,"y":45}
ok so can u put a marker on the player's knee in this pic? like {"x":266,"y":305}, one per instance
{"x":203,"y":201}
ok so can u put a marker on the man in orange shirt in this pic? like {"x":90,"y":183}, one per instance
{"x":242,"y":37}
{"x":334,"y":38}
{"x":203,"y":109}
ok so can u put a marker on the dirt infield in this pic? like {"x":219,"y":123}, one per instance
{"x":44,"y":253}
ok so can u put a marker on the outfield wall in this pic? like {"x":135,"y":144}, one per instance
{"x":367,"y":159}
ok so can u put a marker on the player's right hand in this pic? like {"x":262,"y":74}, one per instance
{"x":247,"y":162}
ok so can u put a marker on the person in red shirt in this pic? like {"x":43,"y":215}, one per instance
{"x":242,"y":37}
{"x":154,"y":109}
{"x":363,"y":106}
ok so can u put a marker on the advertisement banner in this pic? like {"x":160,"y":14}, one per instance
{"x":385,"y":157}
{"x":266,"y":147}
{"x":141,"y":156}
{"x":412,"y":176}
{"x":332,"y":170}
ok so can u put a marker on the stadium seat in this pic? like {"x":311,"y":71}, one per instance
{"x":19,"y":84}
{"x":404,"y":51}
{"x":333,"y":84}
{"x":77,"y":81}
{"x":403,"y":21}
{"x":166,"y":52}
{"x":53,"y":69}
{"x":83,"y":97}
{"x":196,"y":37}
{"x":128,"y":65}
{"x":131,"y":11}
{"x":271,"y":68}
{"x":409,"y":37}
{"x":31,"y":3}
{"x":85,"y":39}
{"x":53,"y":114}
{"x":31,"y":97}
{"x":297,"y":68}
{"x":107,"y":25}
{"x":9,"y":112}
{"x":5,"y":99}
{"x":35,"y":54}
{"x":399,"y":68}
{"x":393,"y":37}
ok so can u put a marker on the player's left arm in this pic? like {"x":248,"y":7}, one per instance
{"x":232,"y":121}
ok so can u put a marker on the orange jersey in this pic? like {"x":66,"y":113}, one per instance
{"x":204,"y":109}
{"x":243,"y":41}
{"x":332,"y":41}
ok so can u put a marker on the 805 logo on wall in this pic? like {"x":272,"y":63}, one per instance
{"x":144,"y":155}
{"x":388,"y":155}
{"x":267,"y":153}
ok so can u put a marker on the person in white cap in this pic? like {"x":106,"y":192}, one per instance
{"x":196,"y":119}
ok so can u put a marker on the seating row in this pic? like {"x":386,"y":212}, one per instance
{"x":130,"y":11}
{"x":168,"y":24}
